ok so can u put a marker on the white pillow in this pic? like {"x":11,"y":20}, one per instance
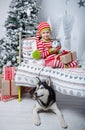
{"x":28,"y":46}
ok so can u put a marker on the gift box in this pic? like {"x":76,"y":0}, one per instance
{"x":0,"y":80}
{"x":0,"y":85}
{"x":8,"y":89}
{"x":9,"y":73}
{"x":69,"y":57}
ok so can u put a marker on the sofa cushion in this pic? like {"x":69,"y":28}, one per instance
{"x":28,"y":46}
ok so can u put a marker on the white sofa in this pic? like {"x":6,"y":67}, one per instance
{"x":67,"y":81}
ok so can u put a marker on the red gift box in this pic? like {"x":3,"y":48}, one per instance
{"x":9,"y":73}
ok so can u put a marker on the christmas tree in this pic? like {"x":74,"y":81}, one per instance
{"x":22,"y":17}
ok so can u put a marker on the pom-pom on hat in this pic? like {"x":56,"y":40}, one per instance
{"x":36,"y":55}
{"x":41,"y":26}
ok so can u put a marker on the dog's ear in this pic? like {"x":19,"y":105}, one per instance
{"x":38,"y":79}
{"x":48,"y":82}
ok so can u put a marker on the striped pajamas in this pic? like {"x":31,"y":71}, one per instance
{"x":50,"y":59}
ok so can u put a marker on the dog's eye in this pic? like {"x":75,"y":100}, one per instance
{"x":41,"y":87}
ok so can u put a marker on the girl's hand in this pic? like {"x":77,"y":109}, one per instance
{"x":57,"y":49}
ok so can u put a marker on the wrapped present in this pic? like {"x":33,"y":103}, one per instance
{"x":0,"y":85}
{"x":9,"y":73}
{"x":0,"y":79}
{"x":8,"y":89}
{"x":7,"y":98}
{"x":5,"y":87}
{"x":8,"y":85}
{"x":68,"y":57}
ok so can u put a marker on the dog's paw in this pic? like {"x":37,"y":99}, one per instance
{"x":64,"y":125}
{"x":37,"y":122}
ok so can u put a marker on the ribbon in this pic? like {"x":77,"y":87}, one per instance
{"x":64,"y":52}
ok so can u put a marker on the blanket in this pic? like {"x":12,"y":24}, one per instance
{"x":66,"y":81}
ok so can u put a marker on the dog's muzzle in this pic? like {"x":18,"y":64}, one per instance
{"x":37,"y":96}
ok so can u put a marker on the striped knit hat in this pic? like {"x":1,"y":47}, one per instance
{"x":41,"y":26}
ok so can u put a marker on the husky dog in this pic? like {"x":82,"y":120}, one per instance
{"x":46,"y":100}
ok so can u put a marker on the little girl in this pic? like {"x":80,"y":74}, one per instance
{"x":44,"y":46}
{"x":44,"y":42}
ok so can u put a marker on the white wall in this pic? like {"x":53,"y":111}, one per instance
{"x":4,"y":5}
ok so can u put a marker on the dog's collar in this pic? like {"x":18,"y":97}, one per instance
{"x":45,"y":104}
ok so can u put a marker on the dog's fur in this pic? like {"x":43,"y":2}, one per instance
{"x":46,"y":100}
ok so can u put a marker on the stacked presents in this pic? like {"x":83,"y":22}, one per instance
{"x":8,"y":90}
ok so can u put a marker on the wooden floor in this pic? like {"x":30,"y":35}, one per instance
{"x":18,"y":116}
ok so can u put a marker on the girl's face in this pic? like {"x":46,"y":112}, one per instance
{"x":46,"y":34}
